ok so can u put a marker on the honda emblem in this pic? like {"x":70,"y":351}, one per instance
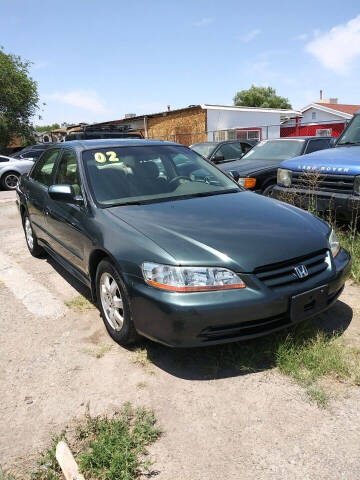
{"x":301,"y":271}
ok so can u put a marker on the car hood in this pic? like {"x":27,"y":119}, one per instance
{"x":241,"y":231}
{"x":245,"y":167}
{"x":341,"y":160}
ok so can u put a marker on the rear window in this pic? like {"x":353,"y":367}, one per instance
{"x":204,"y":149}
{"x":276,"y":150}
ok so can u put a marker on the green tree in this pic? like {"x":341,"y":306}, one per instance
{"x":260,"y":97}
{"x":47,"y":128}
{"x":19,"y":99}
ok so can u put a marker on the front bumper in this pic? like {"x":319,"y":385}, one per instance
{"x":204,"y":318}
{"x":344,"y":206}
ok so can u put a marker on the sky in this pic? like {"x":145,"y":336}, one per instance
{"x":97,"y":60}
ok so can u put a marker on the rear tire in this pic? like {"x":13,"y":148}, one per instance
{"x":10,"y":180}
{"x":31,"y":239}
{"x":114,"y":304}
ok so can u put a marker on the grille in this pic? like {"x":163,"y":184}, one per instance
{"x":245,"y":329}
{"x":283,"y":273}
{"x":329,"y":183}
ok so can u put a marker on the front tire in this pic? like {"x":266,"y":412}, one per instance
{"x":268,"y":191}
{"x":31,"y":239}
{"x":114,"y":304}
{"x":10,"y":180}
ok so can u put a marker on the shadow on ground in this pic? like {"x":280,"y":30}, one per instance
{"x":233,"y":359}
{"x":76,"y":284}
{"x":242,"y":358}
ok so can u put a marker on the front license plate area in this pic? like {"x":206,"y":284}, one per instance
{"x":308,"y":303}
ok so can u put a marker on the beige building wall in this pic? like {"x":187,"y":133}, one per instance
{"x":185,"y":126}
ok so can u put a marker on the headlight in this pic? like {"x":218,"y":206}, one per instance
{"x":247,"y":182}
{"x":357,"y":185}
{"x":284,"y":177}
{"x":190,"y":279}
{"x":334,"y":244}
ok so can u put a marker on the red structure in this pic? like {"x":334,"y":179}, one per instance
{"x":334,"y":129}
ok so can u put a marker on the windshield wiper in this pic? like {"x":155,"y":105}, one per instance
{"x":349,"y":143}
{"x":125,"y":204}
{"x":216,"y":192}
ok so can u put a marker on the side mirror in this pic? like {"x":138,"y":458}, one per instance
{"x":65,"y":193}
{"x":218,"y":158}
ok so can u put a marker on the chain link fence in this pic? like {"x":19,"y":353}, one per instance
{"x":262,"y":132}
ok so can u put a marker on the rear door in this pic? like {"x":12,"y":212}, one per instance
{"x":66,"y":222}
{"x":36,"y":191}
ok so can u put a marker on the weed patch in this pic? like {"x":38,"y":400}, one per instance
{"x":79,"y":303}
{"x":106,"y":448}
{"x":98,"y":351}
{"x":351,"y":241}
{"x":141,"y":357}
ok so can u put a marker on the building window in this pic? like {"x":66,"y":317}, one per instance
{"x":248,"y":134}
{"x":237,"y":134}
{"x":324,"y":132}
{"x":220,"y":136}
{"x":313,"y":115}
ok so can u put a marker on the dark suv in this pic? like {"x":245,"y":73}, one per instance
{"x":183,"y":259}
{"x":257,"y":169}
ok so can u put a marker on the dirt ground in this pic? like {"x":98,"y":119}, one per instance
{"x":217,"y":423}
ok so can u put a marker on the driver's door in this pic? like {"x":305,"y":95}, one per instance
{"x":65,"y":221}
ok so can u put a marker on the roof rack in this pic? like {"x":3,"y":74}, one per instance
{"x":107,"y":128}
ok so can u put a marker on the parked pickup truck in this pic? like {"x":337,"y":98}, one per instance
{"x":329,"y":178}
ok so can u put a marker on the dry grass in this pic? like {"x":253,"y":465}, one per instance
{"x":105,"y":448}
{"x":79,"y":303}
{"x":140,"y":357}
{"x":98,"y":351}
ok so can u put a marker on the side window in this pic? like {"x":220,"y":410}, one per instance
{"x":32,"y":154}
{"x":229,"y":151}
{"x":246,"y":147}
{"x":3,"y":159}
{"x":43,"y":169}
{"x":67,"y":171}
{"x":315,"y":145}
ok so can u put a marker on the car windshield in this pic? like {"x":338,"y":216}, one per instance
{"x":352,"y":134}
{"x":205,"y":149}
{"x":275,"y":150}
{"x":146,"y":174}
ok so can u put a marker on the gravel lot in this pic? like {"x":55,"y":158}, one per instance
{"x":217,"y":423}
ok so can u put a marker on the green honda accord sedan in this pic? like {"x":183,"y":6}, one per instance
{"x":172,"y":248}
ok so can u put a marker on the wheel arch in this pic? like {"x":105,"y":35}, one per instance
{"x":269,"y":181}
{"x":10,"y":170}
{"x":95,"y":257}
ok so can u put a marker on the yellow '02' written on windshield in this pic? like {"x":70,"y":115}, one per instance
{"x":106,"y":157}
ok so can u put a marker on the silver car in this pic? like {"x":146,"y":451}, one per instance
{"x":11,"y":169}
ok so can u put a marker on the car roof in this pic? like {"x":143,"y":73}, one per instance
{"x":304,"y":137}
{"x":114,"y":142}
{"x":224,"y":141}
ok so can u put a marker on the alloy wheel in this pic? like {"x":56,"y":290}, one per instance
{"x":111,"y":301}
{"x":11,"y":181}
{"x":29,"y":233}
